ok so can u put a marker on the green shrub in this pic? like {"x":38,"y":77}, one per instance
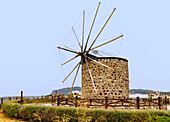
{"x":158,"y":119}
{"x":51,"y":113}
{"x":0,"y":106}
{"x":11,"y":108}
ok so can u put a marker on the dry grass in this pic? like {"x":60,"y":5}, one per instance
{"x":5,"y":118}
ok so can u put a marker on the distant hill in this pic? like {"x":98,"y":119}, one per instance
{"x":142,"y":91}
{"x":145,"y":91}
{"x":66,"y":91}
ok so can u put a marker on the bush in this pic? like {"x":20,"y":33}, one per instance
{"x":11,"y":108}
{"x":44,"y":113}
{"x":50,"y":113}
{"x":0,"y":106}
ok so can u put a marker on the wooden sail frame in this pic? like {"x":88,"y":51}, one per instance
{"x":84,"y":51}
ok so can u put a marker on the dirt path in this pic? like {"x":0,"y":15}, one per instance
{"x":5,"y":118}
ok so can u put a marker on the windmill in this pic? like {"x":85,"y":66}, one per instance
{"x":84,"y":51}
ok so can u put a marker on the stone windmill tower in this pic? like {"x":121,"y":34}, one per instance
{"x":101,"y":76}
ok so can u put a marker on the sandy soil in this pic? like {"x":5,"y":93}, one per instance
{"x":5,"y":118}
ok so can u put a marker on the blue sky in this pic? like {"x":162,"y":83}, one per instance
{"x":31,"y":30}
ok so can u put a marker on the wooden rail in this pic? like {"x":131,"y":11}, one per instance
{"x":107,"y":103}
{"x":138,"y":103}
{"x":22,"y":97}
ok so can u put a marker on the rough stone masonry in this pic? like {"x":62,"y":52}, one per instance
{"x":113,"y":83}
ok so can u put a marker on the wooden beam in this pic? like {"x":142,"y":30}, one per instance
{"x":71,"y":59}
{"x":76,"y":37}
{"x":106,"y":43}
{"x":100,"y":63}
{"x":83,"y":32}
{"x":71,"y":72}
{"x":90,"y":74}
{"x":92,"y":26}
{"x":75,"y":78}
{"x":102,"y":29}
{"x":67,"y":50}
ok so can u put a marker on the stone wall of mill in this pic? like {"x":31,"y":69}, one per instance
{"x":113,"y":83}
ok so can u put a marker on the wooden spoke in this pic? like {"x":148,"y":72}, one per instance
{"x":71,"y":72}
{"x":76,"y":37}
{"x":67,"y":50}
{"x":71,"y":59}
{"x":83,"y":31}
{"x":75,"y":78}
{"x":106,"y":43}
{"x":90,"y":74}
{"x":100,"y":63}
{"x":92,"y":26}
{"x":102,"y":28}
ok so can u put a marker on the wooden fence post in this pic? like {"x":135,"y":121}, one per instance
{"x":150,"y":100}
{"x":52,"y":99}
{"x":106,"y":106}
{"x":122,"y":101}
{"x":2,"y":99}
{"x":159,"y":102}
{"x":137,"y":103}
{"x":66,"y":101}
{"x":21,"y":97}
{"x":76,"y":103}
{"x":58,"y":100}
{"x":166,"y":102}
{"x":90,"y":102}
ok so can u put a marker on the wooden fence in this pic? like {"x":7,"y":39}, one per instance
{"x":3,"y":99}
{"x":138,"y":103}
{"x":21,"y":98}
{"x":107,"y":103}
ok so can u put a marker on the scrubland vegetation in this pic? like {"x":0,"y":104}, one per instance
{"x":50,"y":113}
{"x":5,"y":118}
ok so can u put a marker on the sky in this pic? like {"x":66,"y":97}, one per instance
{"x":31,"y":31}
